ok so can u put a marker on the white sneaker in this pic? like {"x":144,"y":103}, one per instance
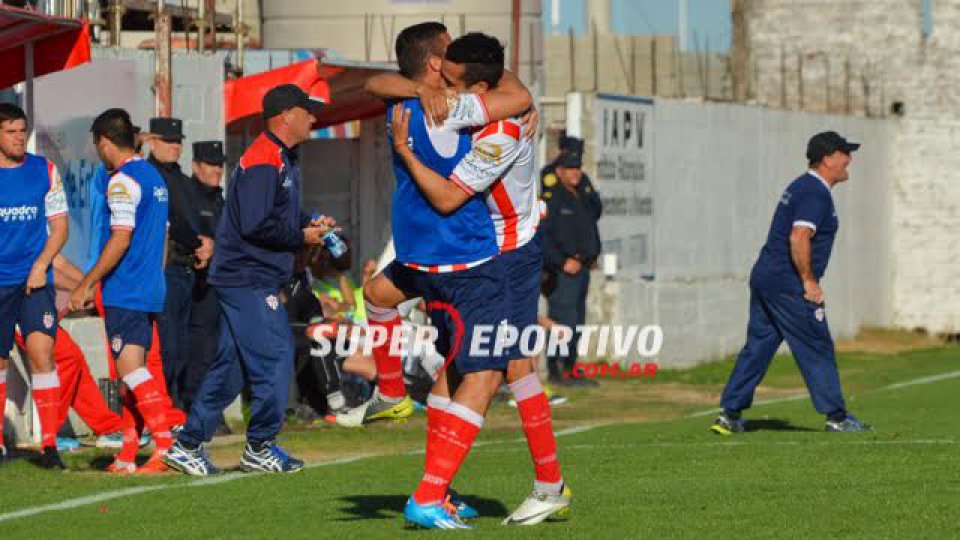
{"x":539,"y":506}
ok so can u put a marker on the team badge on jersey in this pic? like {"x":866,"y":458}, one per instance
{"x":160,"y":193}
{"x":820,"y":314}
{"x":116,"y":344}
{"x":48,"y":320}
{"x":273,"y":302}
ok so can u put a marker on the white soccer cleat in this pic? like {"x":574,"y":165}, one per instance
{"x":353,"y":417}
{"x":539,"y":506}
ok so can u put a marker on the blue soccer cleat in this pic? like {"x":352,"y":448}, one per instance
{"x":268,"y":457}
{"x":464,"y":510}
{"x":432,"y":516}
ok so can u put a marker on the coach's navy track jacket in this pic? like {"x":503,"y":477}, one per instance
{"x":261,"y":226}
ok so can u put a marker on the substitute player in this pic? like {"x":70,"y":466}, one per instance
{"x":130,"y":270}
{"x":500,"y":166}
{"x":33,"y":229}
{"x":786,"y":302}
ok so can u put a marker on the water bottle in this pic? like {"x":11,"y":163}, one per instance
{"x":332,"y":241}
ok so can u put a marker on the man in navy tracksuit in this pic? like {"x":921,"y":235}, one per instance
{"x":261,"y":229}
{"x":786,"y":302}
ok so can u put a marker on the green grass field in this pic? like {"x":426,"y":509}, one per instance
{"x":650,"y":471}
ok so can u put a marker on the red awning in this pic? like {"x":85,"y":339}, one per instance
{"x":341,"y":87}
{"x":58,"y":43}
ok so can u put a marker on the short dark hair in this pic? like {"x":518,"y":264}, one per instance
{"x":415,"y":44}
{"x":482,"y":55}
{"x":115,"y":126}
{"x":9,"y":111}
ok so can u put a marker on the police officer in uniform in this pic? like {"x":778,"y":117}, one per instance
{"x":208,"y":160}
{"x":186,"y":250}
{"x":548,"y":175}
{"x":571,"y":242}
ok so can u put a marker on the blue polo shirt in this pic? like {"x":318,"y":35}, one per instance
{"x":807,"y":202}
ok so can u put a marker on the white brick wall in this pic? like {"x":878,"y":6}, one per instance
{"x":885,"y":38}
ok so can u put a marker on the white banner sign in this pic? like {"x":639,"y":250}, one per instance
{"x":624,"y":157}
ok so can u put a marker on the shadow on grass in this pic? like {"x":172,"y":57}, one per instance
{"x":390,"y":506}
{"x":773,"y":424}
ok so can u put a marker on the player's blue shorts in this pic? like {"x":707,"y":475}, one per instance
{"x":128,"y":327}
{"x":34,"y":312}
{"x":524,"y":268}
{"x":469,"y":304}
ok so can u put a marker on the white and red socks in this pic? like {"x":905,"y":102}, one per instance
{"x":389,"y":366}
{"x":152,"y":404}
{"x":46,"y":396}
{"x":446,"y":451}
{"x":537,"y":423}
{"x":436,"y":409}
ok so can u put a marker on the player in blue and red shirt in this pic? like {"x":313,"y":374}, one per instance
{"x":786,"y":302}
{"x":33,"y":229}
{"x":130,"y":271}
{"x":450,"y":259}
{"x":500,"y":166}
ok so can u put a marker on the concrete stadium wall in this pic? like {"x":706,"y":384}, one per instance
{"x":718,"y":172}
{"x":197,"y":94}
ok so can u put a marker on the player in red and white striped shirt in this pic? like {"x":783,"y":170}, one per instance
{"x":500,"y":165}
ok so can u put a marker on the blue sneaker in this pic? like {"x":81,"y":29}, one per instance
{"x":431,"y":516}
{"x":192,"y":461}
{"x":67,"y":444}
{"x":115,"y":440}
{"x":268,"y":457}
{"x":464,"y":510}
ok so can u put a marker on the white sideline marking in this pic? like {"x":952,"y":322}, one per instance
{"x":229,"y":477}
{"x":116,"y":494}
{"x":87,"y":500}
{"x":904,"y":442}
{"x":895,"y":386}
{"x":924,"y":380}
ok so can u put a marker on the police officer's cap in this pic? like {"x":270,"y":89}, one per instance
{"x":570,"y":159}
{"x":210,"y":152}
{"x":168,"y":129}
{"x":824,"y":144}
{"x":288,"y":96}
{"x":570,"y":143}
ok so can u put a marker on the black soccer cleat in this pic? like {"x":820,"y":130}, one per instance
{"x":50,"y":459}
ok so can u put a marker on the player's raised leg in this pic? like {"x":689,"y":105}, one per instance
{"x":390,"y":401}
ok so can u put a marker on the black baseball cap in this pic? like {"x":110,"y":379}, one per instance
{"x":824,"y":144}
{"x":288,"y":96}
{"x":570,"y":159}
{"x":168,"y":129}
{"x":209,"y":152}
